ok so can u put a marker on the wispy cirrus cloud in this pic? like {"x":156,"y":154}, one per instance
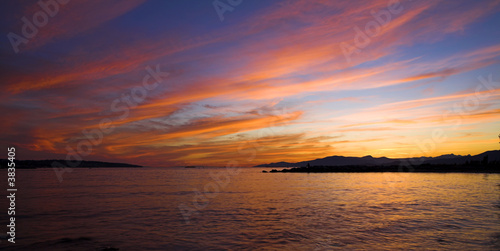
{"x":74,"y":18}
{"x":223,"y":77}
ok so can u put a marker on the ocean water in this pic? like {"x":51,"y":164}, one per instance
{"x":221,"y":209}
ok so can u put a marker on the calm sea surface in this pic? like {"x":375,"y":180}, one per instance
{"x":209,"y":209}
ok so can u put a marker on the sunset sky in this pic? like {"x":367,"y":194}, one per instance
{"x":264,"y":81}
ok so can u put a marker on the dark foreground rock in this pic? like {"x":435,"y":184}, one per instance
{"x":469,"y":168}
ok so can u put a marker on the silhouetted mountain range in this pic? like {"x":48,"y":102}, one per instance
{"x":448,"y":159}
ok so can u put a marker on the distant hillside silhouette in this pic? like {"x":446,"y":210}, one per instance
{"x":490,"y":157}
{"x":29,"y":164}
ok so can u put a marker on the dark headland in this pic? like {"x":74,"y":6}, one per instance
{"x":487,"y":162}
{"x":30,"y":164}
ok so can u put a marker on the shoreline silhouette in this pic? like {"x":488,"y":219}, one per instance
{"x":425,"y":168}
{"x":33,"y":164}
{"x":487,"y":162}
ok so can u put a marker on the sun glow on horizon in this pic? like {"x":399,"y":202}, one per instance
{"x":282,"y":81}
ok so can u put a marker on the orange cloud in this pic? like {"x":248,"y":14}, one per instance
{"x":294,"y":52}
